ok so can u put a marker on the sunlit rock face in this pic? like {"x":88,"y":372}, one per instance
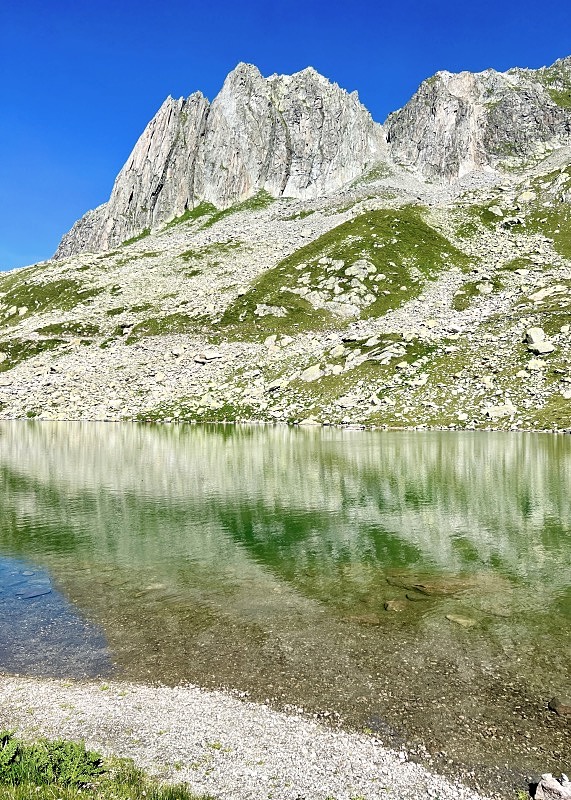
{"x":459,"y":123}
{"x":301,"y":136}
{"x":289,"y":135}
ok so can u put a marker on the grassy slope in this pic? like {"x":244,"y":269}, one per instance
{"x":404,"y":250}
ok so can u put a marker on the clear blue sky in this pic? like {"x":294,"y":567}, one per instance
{"x":80,"y":80}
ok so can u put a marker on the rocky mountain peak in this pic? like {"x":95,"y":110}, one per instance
{"x":302,"y":136}
{"x":458,"y":123}
{"x":296,"y":136}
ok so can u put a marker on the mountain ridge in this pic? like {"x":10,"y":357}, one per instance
{"x":262,"y":134}
{"x":296,"y":136}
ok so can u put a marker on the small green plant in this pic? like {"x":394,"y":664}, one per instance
{"x":60,"y":762}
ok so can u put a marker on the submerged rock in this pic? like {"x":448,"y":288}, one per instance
{"x":560,"y":708}
{"x":465,"y":622}
{"x":395,"y":605}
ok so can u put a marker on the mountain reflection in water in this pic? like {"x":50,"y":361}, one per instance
{"x":266,"y":559}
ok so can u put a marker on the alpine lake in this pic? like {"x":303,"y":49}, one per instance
{"x":415,"y":586}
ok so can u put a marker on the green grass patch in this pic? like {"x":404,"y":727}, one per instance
{"x":170,"y":324}
{"x":201,"y":210}
{"x":376,"y":173}
{"x":214,"y":249}
{"x":371,"y":373}
{"x":63,"y":294}
{"x":258,"y":202}
{"x":77,"y":329}
{"x":483,"y":215}
{"x":557,"y":81}
{"x":144,"y":233}
{"x":553,"y":311}
{"x":470,"y":290}
{"x":64,"y":770}
{"x":300,"y":215}
{"x":522,"y":262}
{"x":18,"y":350}
{"x":398,"y":252}
{"x":554,"y":222}
{"x":561,"y":97}
{"x":187,"y":410}
{"x":10,"y":280}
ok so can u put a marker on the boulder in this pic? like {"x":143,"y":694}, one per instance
{"x":504,"y":410}
{"x":559,"y":707}
{"x":541,"y":348}
{"x":549,"y":788}
{"x":312,"y":373}
{"x":535,"y":335}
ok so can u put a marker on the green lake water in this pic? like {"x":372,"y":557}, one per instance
{"x":416,"y":585}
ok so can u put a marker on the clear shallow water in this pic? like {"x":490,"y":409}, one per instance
{"x":41,"y":632}
{"x":416,"y":584}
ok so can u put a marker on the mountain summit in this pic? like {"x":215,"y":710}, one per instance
{"x":289,"y":135}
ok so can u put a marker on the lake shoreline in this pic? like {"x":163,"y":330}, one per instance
{"x":302,"y":424}
{"x":218,"y":743}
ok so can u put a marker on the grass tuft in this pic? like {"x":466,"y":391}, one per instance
{"x":46,"y":770}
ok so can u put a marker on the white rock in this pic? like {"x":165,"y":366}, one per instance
{"x":312,"y":373}
{"x":504,"y":410}
{"x":535,"y":365}
{"x":534,"y":335}
{"x":542,"y":348}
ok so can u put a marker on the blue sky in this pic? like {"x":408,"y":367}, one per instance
{"x":80,"y":80}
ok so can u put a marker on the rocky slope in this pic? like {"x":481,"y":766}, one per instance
{"x":387,"y":300}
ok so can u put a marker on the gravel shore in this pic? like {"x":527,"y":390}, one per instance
{"x":217,"y":743}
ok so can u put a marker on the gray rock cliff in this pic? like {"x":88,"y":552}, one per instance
{"x":459,"y":123}
{"x":295,"y":136}
{"x":301,"y":136}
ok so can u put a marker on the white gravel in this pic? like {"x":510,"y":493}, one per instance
{"x":217,"y":743}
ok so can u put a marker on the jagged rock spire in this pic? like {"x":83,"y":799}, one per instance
{"x":296,"y":136}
